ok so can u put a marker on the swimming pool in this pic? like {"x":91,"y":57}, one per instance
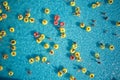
{"x":102,"y":30}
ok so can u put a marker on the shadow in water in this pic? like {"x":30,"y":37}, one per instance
{"x":5,"y":78}
{"x":56,"y":69}
{"x":113,"y":78}
{"x":92,"y":53}
{"x":113,"y":22}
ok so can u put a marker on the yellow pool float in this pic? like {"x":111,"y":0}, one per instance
{"x":3,"y":33}
{"x":0,"y":11}
{"x":110,"y":1}
{"x":63,"y":35}
{"x":79,"y":59}
{"x":72,"y":78}
{"x":46,"y":45}
{"x":13,"y":48}
{"x":62,"y":29}
{"x":91,"y":75}
{"x":5,"y":56}
{"x":102,"y":46}
{"x":111,"y":47}
{"x":31,"y":60}
{"x":72,"y":50}
{"x":1,"y":68}
{"x":94,"y":6}
{"x":60,"y":74}
{"x":12,"y":29}
{"x":38,"y":40}
{"x":84,"y":70}
{"x":44,"y":59}
{"x":37,"y":58}
{"x":13,"y":53}
{"x":98,"y":4}
{"x":77,"y":8}
{"x":118,"y":23}
{"x":44,"y":22}
{"x":74,"y":45}
{"x":4,"y":16}
{"x":56,"y":46}
{"x":64,"y":70}
{"x":42,"y":36}
{"x":13,"y":42}
{"x":97,"y":55}
{"x":26,"y":20}
{"x":51,"y":52}
{"x":10,"y":73}
{"x":1,"y":18}
{"x":5,"y":3}
{"x":82,"y":25}
{"x":32,"y":20}
{"x":77,"y":54}
{"x":20,"y":17}
{"x":7,"y":8}
{"x":27,"y":14}
{"x":72,"y":3}
{"x":47,"y":11}
{"x":88,"y":28}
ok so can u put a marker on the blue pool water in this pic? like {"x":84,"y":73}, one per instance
{"x":109,"y":69}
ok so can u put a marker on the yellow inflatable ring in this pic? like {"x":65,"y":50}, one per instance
{"x":32,"y":20}
{"x":10,"y":73}
{"x":13,"y":53}
{"x":111,"y":47}
{"x":5,"y":3}
{"x":64,"y":70}
{"x":13,"y":48}
{"x":56,"y":46}
{"x":46,"y":46}
{"x":26,"y":20}
{"x":60,"y":74}
{"x":44,"y":22}
{"x":1,"y":68}
{"x":44,"y":59}
{"x":47,"y":11}
{"x":12,"y":29}
{"x":37,"y":58}
{"x":88,"y":28}
{"x":20,"y":17}
{"x":91,"y":75}
{"x":13,"y":42}
{"x":31,"y":60}
{"x":84,"y":70}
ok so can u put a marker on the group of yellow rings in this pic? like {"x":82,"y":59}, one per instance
{"x":37,"y":59}
{"x":84,"y":71}
{"x":73,"y":52}
{"x":77,"y":9}
{"x":87,"y":28}
{"x":5,"y":56}
{"x":40,"y":38}
{"x":62,"y":72}
{"x":62,"y":32}
{"x":98,"y":4}
{"x":13,"y":47}
{"x":10,"y":73}
{"x":103,"y":46}
{"x":27,"y":17}
{"x":7,"y":8}
{"x":47,"y":46}
{"x":46,"y":11}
